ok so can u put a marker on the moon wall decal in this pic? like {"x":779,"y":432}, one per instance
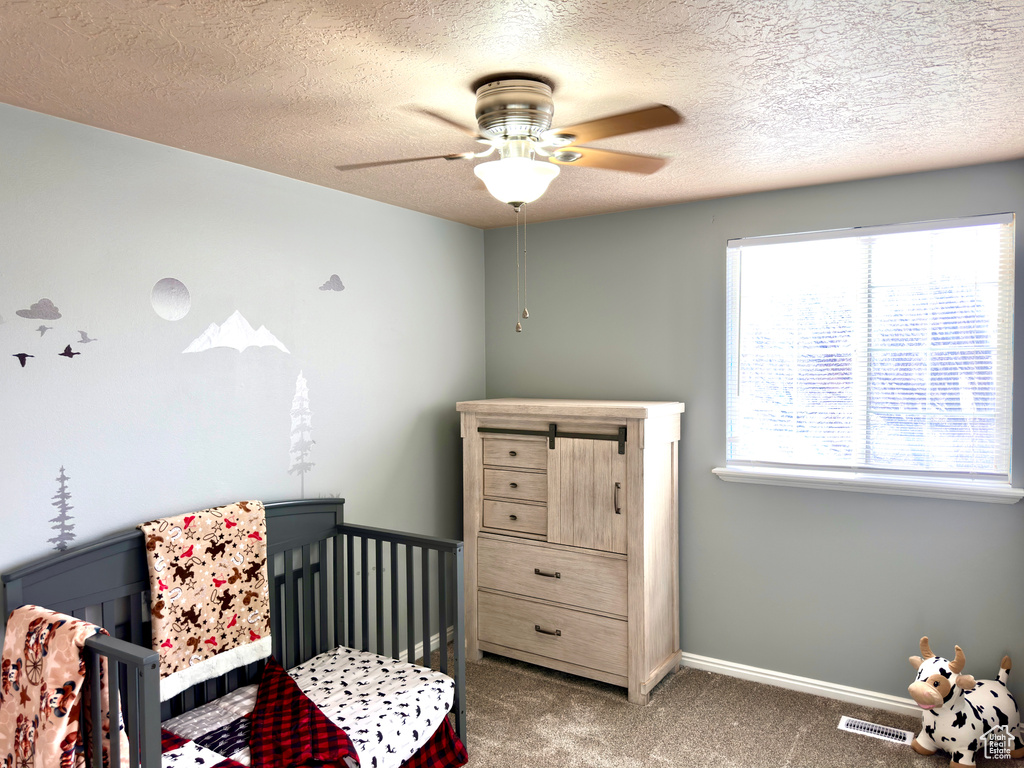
{"x":171,"y":299}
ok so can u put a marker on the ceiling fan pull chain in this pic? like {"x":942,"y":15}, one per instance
{"x":526,"y":312}
{"x":519,"y":325}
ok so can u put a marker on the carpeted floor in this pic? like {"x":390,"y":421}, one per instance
{"x":522,"y":716}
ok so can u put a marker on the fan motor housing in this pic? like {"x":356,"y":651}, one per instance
{"x":508,"y":109}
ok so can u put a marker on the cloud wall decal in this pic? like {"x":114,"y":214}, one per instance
{"x":334,"y":284}
{"x":234,"y":333}
{"x":43,"y":309}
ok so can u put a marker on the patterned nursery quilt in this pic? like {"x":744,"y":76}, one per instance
{"x":390,"y":709}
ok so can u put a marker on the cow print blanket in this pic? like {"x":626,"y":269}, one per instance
{"x":391,"y":710}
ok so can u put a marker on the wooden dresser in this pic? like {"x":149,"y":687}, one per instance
{"x":571,"y":543}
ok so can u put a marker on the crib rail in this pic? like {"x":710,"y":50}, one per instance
{"x":381,"y":591}
{"x":133,"y":680}
{"x":440,"y":563}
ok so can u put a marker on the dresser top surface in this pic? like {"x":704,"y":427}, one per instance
{"x":528,"y":406}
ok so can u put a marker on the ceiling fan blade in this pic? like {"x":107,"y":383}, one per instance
{"x":588,"y":157}
{"x":614,"y":125}
{"x":473,"y":132}
{"x":379,"y":163}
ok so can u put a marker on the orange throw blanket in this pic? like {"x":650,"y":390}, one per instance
{"x":41,"y":691}
{"x":210,"y":600}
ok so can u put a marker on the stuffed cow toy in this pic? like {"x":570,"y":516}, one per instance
{"x":963,"y":715}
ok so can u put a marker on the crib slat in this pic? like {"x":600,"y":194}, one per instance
{"x":459,"y":644}
{"x":425,"y":585}
{"x":307,"y":604}
{"x":351,"y":604}
{"x":394,"y":600}
{"x":442,"y":611}
{"x":364,"y":586}
{"x":131,"y":718}
{"x":114,"y":708}
{"x":321,"y":553}
{"x":410,"y":606}
{"x":108,"y":617}
{"x":337,"y":590}
{"x":95,"y":696}
{"x":135,"y":631}
{"x":149,"y":714}
{"x":289,"y":608}
{"x":379,"y":570}
{"x":275,"y":608}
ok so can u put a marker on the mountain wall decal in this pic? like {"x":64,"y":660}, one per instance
{"x":235,"y":333}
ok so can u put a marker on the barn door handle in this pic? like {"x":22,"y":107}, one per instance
{"x":555,"y":575}
{"x":615,"y":495}
{"x":556,"y":633}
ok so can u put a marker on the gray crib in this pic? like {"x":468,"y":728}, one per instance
{"x":332,"y":584}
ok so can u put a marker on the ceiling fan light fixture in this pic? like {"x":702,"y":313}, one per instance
{"x":516,"y":179}
{"x":566,"y":156}
{"x":559,"y":139}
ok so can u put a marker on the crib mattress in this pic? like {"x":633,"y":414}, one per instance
{"x":388,"y":708}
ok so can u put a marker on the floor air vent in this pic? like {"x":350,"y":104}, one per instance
{"x":883,"y":732}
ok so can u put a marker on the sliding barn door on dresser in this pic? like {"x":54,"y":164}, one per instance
{"x":571,"y":540}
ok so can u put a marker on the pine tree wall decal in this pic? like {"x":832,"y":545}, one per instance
{"x":302,"y":442}
{"x":62,"y":522}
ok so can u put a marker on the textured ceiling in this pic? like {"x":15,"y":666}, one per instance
{"x":774,"y":93}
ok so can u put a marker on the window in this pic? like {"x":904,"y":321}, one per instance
{"x":875,"y":358}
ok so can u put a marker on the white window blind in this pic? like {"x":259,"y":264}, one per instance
{"x":882,"y":349}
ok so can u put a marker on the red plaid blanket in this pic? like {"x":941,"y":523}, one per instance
{"x":443,"y":750}
{"x":288,"y":730}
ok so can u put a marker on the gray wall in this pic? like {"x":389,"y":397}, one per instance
{"x":830,"y":585}
{"x":92,"y":220}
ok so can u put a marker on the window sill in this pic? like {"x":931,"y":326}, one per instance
{"x":961,"y":490}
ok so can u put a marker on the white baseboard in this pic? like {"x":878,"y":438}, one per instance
{"x":435,"y":643}
{"x":900,"y":705}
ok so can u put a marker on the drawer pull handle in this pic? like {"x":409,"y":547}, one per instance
{"x":512,"y":517}
{"x":556,"y":633}
{"x":512,"y":453}
{"x":513,"y":485}
{"x":618,"y":509}
{"x":555,"y":575}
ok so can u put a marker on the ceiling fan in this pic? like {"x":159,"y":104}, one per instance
{"x":513,"y":115}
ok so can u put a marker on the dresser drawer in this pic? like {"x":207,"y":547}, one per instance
{"x":520,"y":518}
{"x":521,"y":454}
{"x":509,"y":484}
{"x":574,"y":578}
{"x":557,"y":633}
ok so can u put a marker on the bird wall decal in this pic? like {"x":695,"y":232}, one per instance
{"x":43,"y":329}
{"x":22,"y":357}
{"x":85,"y":338}
{"x":68,"y":353}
